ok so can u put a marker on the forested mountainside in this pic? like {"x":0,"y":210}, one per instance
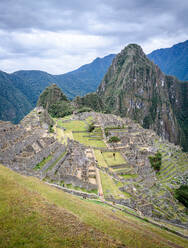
{"x":173,"y":60}
{"x":14,"y":102}
{"x":20,"y":90}
{"x":135,"y":87}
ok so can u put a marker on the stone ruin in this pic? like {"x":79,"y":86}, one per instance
{"x":26,"y":145}
{"x":77,"y":168}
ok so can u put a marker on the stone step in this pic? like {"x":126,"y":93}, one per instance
{"x":163,"y":169}
{"x":173,"y":173}
{"x":117,"y":166}
{"x":166,"y":172}
{"x":57,"y":154}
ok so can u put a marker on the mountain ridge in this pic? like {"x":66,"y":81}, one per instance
{"x":30,"y":84}
{"x":135,"y":87}
{"x":173,"y":60}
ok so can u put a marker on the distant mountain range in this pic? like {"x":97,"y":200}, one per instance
{"x":20,"y":90}
{"x":172,"y":61}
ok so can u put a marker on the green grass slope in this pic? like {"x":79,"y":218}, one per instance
{"x":33,"y":214}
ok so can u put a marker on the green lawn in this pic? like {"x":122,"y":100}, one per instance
{"x":73,"y":125}
{"x":90,"y":119}
{"x":99,"y":157}
{"x":128,"y":176}
{"x":35,"y":215}
{"x":110,"y":187}
{"x":88,"y":141}
{"x":111,"y":160}
{"x":42,"y":163}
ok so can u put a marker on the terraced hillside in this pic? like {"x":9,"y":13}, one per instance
{"x":34,"y":214}
{"x":124,"y":168}
{"x":81,"y":160}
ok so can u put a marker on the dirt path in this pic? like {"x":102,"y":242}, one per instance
{"x":101,"y":196}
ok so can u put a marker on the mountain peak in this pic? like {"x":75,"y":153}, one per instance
{"x":51,"y":95}
{"x":136,"y":88}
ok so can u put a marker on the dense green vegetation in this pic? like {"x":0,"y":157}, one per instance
{"x":156,"y":161}
{"x":92,"y":101}
{"x":172,"y":61}
{"x":182,"y":195}
{"x":56,"y":103}
{"x":14,"y":104}
{"x":114,"y":139}
{"x":19,"y":91}
{"x":60,"y":109}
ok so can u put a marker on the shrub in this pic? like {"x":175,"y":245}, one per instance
{"x":106,"y":132}
{"x":156,"y":161}
{"x":84,"y":109}
{"x":50,"y":129}
{"x":91,"y":127}
{"x":114,"y":139}
{"x":182,"y":195}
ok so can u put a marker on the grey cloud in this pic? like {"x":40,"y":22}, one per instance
{"x":121,"y":21}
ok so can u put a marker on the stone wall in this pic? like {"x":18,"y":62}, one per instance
{"x":75,"y":192}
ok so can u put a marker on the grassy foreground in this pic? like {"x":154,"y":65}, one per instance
{"x":33,"y":214}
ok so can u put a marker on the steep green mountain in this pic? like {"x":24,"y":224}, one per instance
{"x":14,"y":104}
{"x":37,"y":81}
{"x":172,"y":61}
{"x":135,"y":87}
{"x":91,"y":100}
{"x":55,"y":102}
{"x":20,"y":90}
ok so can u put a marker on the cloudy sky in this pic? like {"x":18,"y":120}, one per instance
{"x":58,"y":36}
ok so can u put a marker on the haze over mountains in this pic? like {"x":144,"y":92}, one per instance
{"x":20,"y":90}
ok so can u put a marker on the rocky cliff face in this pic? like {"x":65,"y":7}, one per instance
{"x":135,"y":87}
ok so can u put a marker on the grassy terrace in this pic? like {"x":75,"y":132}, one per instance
{"x":43,"y":162}
{"x":57,"y":160}
{"x":35,"y":215}
{"x":129,"y":176}
{"x":72,"y":125}
{"x":111,"y":160}
{"x":93,"y":139}
{"x":106,"y":159}
{"x":177,"y":162}
{"x":99,"y":157}
{"x":110,"y":188}
{"x":70,"y":186}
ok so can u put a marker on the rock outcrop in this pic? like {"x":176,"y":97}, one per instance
{"x":55,"y":102}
